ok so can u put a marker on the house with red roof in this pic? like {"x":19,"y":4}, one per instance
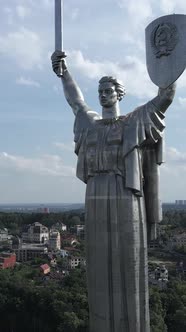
{"x":45,"y":269}
{"x":7,"y":260}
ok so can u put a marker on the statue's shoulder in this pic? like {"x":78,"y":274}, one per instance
{"x":132,"y":116}
{"x":85,"y":119}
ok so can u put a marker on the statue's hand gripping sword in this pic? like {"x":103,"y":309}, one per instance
{"x":59,"y":32}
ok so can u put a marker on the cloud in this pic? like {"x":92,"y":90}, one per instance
{"x":65,"y":147}
{"x":27,"y":81}
{"x":22,"y":11}
{"x":9,"y":15}
{"x":176,"y":156}
{"x":24,"y":47}
{"x":181,"y":83}
{"x":182,"y":101}
{"x":75,"y":13}
{"x":132,"y":71}
{"x":175,"y":164}
{"x":46,"y":3}
{"x":51,"y":165}
{"x":142,"y":8}
{"x":172,"y":6}
{"x":57,"y":89}
{"x":173,"y":175}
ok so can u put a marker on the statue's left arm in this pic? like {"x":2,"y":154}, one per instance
{"x":164,"y":98}
{"x":153,"y":156}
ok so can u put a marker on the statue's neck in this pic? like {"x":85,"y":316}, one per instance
{"x":111,"y":112}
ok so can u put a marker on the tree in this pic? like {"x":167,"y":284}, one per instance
{"x":157,"y":313}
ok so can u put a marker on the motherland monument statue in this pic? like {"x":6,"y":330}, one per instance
{"x":118,"y":160}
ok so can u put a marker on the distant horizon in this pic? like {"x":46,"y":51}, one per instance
{"x":67,"y":203}
{"x":47,"y":203}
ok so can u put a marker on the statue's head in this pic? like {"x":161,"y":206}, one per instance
{"x":110,"y":91}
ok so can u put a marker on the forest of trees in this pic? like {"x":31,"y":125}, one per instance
{"x":175,"y":218}
{"x":27,"y":303}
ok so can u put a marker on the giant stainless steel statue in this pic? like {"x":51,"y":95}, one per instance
{"x":118,"y":159}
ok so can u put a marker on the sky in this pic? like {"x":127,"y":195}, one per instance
{"x":107,"y":37}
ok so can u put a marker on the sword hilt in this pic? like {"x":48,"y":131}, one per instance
{"x":61,"y":68}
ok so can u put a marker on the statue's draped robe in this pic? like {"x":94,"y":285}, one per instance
{"x":118,"y":160}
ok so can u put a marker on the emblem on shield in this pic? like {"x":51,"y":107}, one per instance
{"x":166,"y":49}
{"x":164,"y":39}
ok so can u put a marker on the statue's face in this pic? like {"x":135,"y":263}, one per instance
{"x":107,"y":94}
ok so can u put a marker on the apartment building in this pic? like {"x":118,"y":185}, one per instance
{"x":36,"y":233}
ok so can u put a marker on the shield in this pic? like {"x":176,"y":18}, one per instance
{"x":166,"y":49}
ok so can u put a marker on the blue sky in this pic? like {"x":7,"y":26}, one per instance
{"x":37,"y":163}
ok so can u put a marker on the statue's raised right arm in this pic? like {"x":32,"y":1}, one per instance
{"x":72,"y":91}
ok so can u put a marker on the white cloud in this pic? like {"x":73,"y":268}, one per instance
{"x":27,"y":81}
{"x":173,"y":175}
{"x":142,"y":8}
{"x":51,"y":165}
{"x":23,"y":46}
{"x":9,"y":15}
{"x":47,"y":3}
{"x":65,"y":147}
{"x":22,"y":11}
{"x":57,"y":89}
{"x":167,"y":6}
{"x":44,"y":4}
{"x":172,"y":6}
{"x":176,"y":156}
{"x":132,"y":71}
{"x":181,"y":82}
{"x":75,"y":14}
{"x":182,"y":101}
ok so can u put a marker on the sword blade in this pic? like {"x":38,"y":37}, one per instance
{"x":59,"y":25}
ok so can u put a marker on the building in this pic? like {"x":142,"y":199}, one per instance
{"x":76,"y":261}
{"x":80,"y":231}
{"x":45,"y":269}
{"x":4,"y":235}
{"x":43,"y":209}
{"x":53,"y":262}
{"x":35,"y":233}
{"x":69,"y":239}
{"x":54,"y":240}
{"x":161,"y":273}
{"x":159,"y":277}
{"x":29,"y":251}
{"x":7,"y":260}
{"x":60,"y":227}
{"x":63,"y":227}
{"x":180,"y":202}
{"x":179,"y":239}
{"x":62,"y":253}
{"x":5,"y":239}
{"x":153,"y":244}
{"x":16,"y":242}
{"x":46,"y":210}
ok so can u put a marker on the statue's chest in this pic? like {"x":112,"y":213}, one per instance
{"x":104,"y":146}
{"x":105,"y":135}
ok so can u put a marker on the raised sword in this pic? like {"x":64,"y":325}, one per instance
{"x":59,"y":30}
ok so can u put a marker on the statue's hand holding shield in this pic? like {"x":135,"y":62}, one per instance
{"x":166,"y":49}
